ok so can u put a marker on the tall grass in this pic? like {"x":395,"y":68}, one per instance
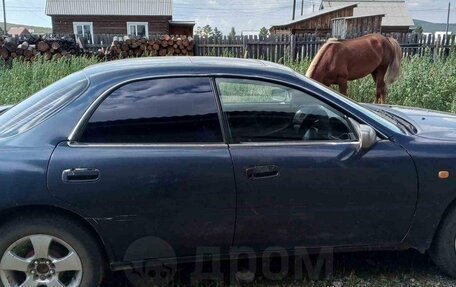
{"x":424,"y":82}
{"x":22,"y":80}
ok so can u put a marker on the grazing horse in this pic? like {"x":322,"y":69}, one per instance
{"x":338,"y":62}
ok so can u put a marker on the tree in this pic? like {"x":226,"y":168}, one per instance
{"x":419,"y":30}
{"x":232,"y":34}
{"x":207,"y":31}
{"x":264,"y":32}
{"x":217,"y":33}
{"x":199,"y":31}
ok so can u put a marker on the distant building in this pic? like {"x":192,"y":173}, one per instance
{"x":122,"y":17}
{"x":397,"y":17}
{"x":316,"y":23}
{"x":18,"y":31}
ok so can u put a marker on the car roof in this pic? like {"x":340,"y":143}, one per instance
{"x":201,"y":65}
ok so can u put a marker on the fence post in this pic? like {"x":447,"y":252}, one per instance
{"x":292,"y":47}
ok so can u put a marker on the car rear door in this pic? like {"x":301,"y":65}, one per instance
{"x":301,"y":177}
{"x":151,"y":163}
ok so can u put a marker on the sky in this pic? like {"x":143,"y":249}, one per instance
{"x":244,"y":15}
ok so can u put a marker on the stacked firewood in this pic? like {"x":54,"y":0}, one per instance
{"x":29,"y":47}
{"x":166,"y":45}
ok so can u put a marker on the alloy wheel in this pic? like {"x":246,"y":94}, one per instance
{"x":40,"y":260}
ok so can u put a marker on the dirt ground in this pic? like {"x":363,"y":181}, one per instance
{"x":405,"y":268}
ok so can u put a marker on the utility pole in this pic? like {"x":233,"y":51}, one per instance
{"x":448,"y":19}
{"x":4,"y":18}
{"x":294,"y":9}
{"x":302,"y":8}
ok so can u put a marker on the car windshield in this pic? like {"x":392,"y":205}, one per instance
{"x":41,"y":105}
{"x":388,"y":123}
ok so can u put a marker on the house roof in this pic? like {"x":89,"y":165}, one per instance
{"x":357,"y":17}
{"x":18,"y":31}
{"x":316,"y":14}
{"x":110,"y":7}
{"x":182,"y":23}
{"x":396,"y":13}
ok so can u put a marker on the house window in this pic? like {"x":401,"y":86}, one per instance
{"x":138,"y":29}
{"x":84,"y":30}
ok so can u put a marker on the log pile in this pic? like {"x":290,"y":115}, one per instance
{"x":166,"y":45}
{"x":30,"y":47}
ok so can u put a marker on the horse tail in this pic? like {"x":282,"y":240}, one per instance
{"x":317,"y":58}
{"x":392,"y":74}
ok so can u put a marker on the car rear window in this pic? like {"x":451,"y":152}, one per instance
{"x":42,"y":105}
{"x":174,"y":110}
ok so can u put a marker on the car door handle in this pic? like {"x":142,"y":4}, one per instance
{"x":80,"y":175}
{"x":264,"y":171}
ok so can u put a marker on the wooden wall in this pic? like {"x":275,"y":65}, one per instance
{"x":344,"y":28}
{"x":176,"y":29}
{"x":317,"y":25}
{"x":110,"y":24}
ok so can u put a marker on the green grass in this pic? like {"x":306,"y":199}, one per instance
{"x":22,"y":80}
{"x":424,"y":82}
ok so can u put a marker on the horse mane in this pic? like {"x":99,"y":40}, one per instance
{"x":318,"y":57}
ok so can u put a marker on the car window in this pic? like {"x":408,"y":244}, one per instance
{"x":383,"y":121}
{"x":42,"y":105}
{"x":259,"y":111}
{"x":177,"y":110}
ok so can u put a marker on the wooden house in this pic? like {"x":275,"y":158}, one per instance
{"x":85,"y":18}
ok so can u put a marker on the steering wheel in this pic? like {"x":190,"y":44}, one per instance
{"x":312,"y":123}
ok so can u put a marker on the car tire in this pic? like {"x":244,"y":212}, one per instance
{"x":443,"y":249}
{"x":68,"y":242}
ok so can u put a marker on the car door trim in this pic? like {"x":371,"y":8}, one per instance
{"x":303,"y":143}
{"x":163,"y":145}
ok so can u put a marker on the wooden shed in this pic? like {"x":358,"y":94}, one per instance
{"x":355,"y":26}
{"x":397,"y":17}
{"x":317,"y":23}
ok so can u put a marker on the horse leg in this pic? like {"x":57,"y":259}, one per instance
{"x":377,"y":94}
{"x":381,"y":86}
{"x":343,"y":86}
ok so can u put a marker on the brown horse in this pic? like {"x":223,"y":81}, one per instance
{"x":338,"y":62}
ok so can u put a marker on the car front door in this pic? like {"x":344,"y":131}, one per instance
{"x":301,"y":177}
{"x":151,"y":163}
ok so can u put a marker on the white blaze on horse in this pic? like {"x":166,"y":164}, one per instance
{"x":338,"y":62}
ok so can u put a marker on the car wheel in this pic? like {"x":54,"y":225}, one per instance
{"x":48,"y":251}
{"x":443,"y":250}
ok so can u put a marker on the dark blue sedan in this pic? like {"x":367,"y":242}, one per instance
{"x":213,"y":152}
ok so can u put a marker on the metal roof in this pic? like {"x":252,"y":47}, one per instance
{"x":110,"y":7}
{"x":316,"y":14}
{"x":187,"y":65}
{"x":396,"y":13}
{"x":182,"y":23}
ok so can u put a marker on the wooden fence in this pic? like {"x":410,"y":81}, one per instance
{"x":297,"y":47}
{"x":284,"y":48}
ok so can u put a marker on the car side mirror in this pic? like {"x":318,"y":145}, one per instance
{"x":366,"y":134}
{"x":280,"y":95}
